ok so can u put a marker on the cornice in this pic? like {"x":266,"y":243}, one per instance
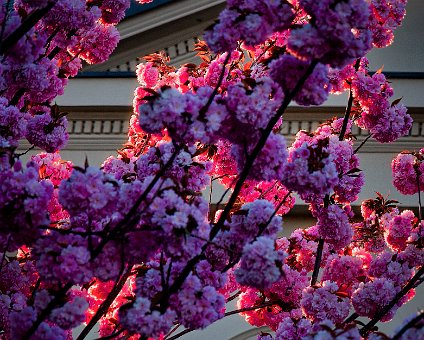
{"x":161,"y":27}
{"x":98,"y":128}
{"x":165,"y":14}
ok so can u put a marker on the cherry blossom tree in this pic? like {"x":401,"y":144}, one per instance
{"x":135,"y":247}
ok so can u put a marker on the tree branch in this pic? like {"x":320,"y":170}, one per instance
{"x":46,"y":312}
{"x":29,"y":22}
{"x":106,"y":304}
{"x":366,"y":329}
{"x":237,"y":311}
{"x":317,"y":264}
{"x":243,"y":176}
{"x":411,"y":323}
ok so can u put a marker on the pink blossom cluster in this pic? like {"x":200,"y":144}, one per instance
{"x":351,"y":178}
{"x":290,"y":328}
{"x":320,"y":162}
{"x":251,"y":22}
{"x":408,"y":170}
{"x":13,"y":124}
{"x":302,"y":247}
{"x":259,"y":256}
{"x":51,"y":167}
{"x":225,"y":168}
{"x":273,"y":192}
{"x":139,"y":319}
{"x":23,"y":205}
{"x":248,"y":104}
{"x":269,"y":165}
{"x":388,"y":265}
{"x":183,"y":116}
{"x":323,"y":303}
{"x":113,"y":11}
{"x":254,"y":219}
{"x":398,"y":228}
{"x":333,"y":225}
{"x":136,"y":242}
{"x":370,"y":297}
{"x":35,"y":68}
{"x":90,"y":197}
{"x":316,"y":88}
{"x":310,"y":170}
{"x":17,"y":281}
{"x":335,"y":35}
{"x":385,"y":121}
{"x":414,"y":251}
{"x":385,"y":17}
{"x":46,"y":132}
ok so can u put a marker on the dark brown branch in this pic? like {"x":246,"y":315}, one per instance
{"x":105,"y":305}
{"x":205,"y":109}
{"x":247,"y":309}
{"x":232,"y":297}
{"x":367,"y":328}
{"x":243,"y":176}
{"x":237,"y":311}
{"x":56,"y":302}
{"x":343,"y":130}
{"x":317,"y":264}
{"x":349,"y":106}
{"x":29,"y":22}
{"x":261,"y":143}
{"x":410,"y":324}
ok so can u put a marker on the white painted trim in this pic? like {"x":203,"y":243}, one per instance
{"x":119,"y":92}
{"x":164,"y":15}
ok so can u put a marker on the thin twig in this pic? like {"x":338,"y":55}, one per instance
{"x":25,"y":152}
{"x":172,"y":331}
{"x":112,"y":336}
{"x":349,"y":106}
{"x":362,"y":144}
{"x":351,"y":318}
{"x":232,"y":297}
{"x":180,"y":334}
{"x":411,"y":323}
{"x":247,"y":309}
